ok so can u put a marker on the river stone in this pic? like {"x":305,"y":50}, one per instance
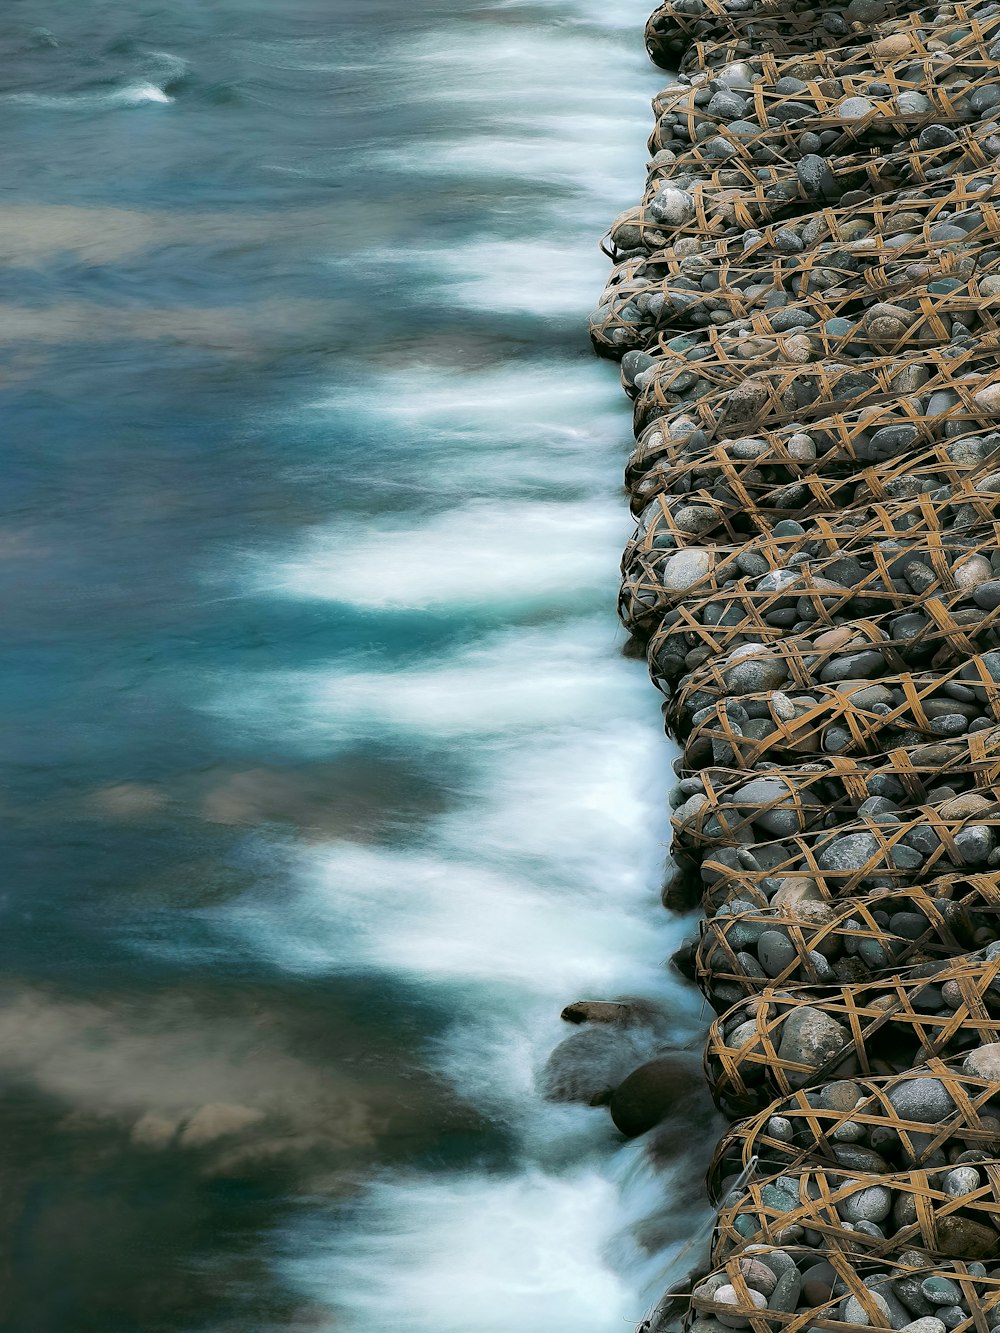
{"x":728,"y":1295}
{"x":758,"y":1276}
{"x":815,"y":174}
{"x":776,"y":952}
{"x":778,"y":1127}
{"x":672,"y":206}
{"x":761,"y":792}
{"x":841,"y":1095}
{"x":985,"y":98}
{"x":890,"y":440}
{"x":984,"y":1062}
{"x":685,"y":569}
{"x":740,"y":1035}
{"x":855,"y":108}
{"x":588,"y":1064}
{"x":754,"y":676}
{"x":913,"y":103}
{"x":818,"y":1282}
{"x":926,"y":1324}
{"x":869,"y":1205}
{"x":855,"y":1313}
{"x":962,"y":1238}
{"x":809,"y":1037}
{"x":655,"y":1090}
{"x":940,"y":1291}
{"x":925,"y":1100}
{"x":785,"y":1295}
{"x":727,"y":105}
{"x":975,"y":843}
{"x":848,"y":854}
{"x":936,"y":136}
{"x":708,"y":1286}
{"x":961,"y":1180}
{"x":987,"y":595}
{"x":855,"y":1158}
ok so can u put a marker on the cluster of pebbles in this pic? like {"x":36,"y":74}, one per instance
{"x":794,"y":1288}
{"x":806,"y":307}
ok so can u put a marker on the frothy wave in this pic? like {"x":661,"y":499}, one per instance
{"x":133,"y":94}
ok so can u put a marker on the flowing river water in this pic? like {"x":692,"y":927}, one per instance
{"x":327,"y":785}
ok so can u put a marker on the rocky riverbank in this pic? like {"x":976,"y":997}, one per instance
{"x":805,"y":306}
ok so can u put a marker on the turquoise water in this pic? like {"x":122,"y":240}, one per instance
{"x":326,"y":785}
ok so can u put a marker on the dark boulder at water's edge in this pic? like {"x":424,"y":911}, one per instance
{"x":660,"y":1088}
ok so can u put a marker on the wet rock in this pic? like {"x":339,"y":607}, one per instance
{"x":597,"y":1011}
{"x":588,"y":1065}
{"x":655,"y":1091}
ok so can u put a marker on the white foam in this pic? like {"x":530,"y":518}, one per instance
{"x":133,"y":94}
{"x":539,"y":884}
{"x":550,"y":427}
{"x":502,"y":684}
{"x":543,"y":873}
{"x":475,"y":1252}
{"x":514,"y":554}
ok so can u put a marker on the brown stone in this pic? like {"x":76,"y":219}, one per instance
{"x":595,"y":1011}
{"x":962,"y":1238}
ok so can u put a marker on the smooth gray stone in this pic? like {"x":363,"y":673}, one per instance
{"x":776,"y":952}
{"x":925,"y":1100}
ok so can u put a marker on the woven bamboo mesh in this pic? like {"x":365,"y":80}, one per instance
{"x":805,"y":304}
{"x":725,"y":807}
{"x":894,"y":852}
{"x":699,"y":198}
{"x":709,"y":34}
{"x":721,"y":596}
{"x":923,"y":531}
{"x":857,"y":718}
{"x":829,"y":692}
{"x":794,"y":1289}
{"x":937,"y":312}
{"x":775,"y":394}
{"x":945,"y":1211}
{"x":718,"y":498}
{"x":742,"y":952}
{"x":830,"y":255}
{"x":926,"y":1117}
{"x":781,"y":26}
{"x":783,"y":1040}
{"x":772,"y":99}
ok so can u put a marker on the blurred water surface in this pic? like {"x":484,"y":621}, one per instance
{"x":325,"y":785}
